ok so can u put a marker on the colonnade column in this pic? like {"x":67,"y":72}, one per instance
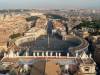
{"x":59,"y":54}
{"x":5,"y":55}
{"x":56,"y":54}
{"x":34,"y":54}
{"x":76,"y":54}
{"x":26,"y":54}
{"x":42,"y":54}
{"x":47,"y":53}
{"x":11,"y":54}
{"x":67,"y":54}
{"x":51,"y":53}
{"x":37,"y":53}
{"x":17,"y":54}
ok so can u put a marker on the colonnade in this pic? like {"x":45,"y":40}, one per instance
{"x":34,"y":54}
{"x":47,"y":54}
{"x":38,"y":54}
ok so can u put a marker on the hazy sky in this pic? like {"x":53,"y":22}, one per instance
{"x":63,"y":4}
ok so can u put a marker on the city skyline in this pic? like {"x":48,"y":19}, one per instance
{"x":49,"y":4}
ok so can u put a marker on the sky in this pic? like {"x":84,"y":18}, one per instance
{"x":49,"y":4}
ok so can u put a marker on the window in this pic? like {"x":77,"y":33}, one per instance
{"x":86,"y":68}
